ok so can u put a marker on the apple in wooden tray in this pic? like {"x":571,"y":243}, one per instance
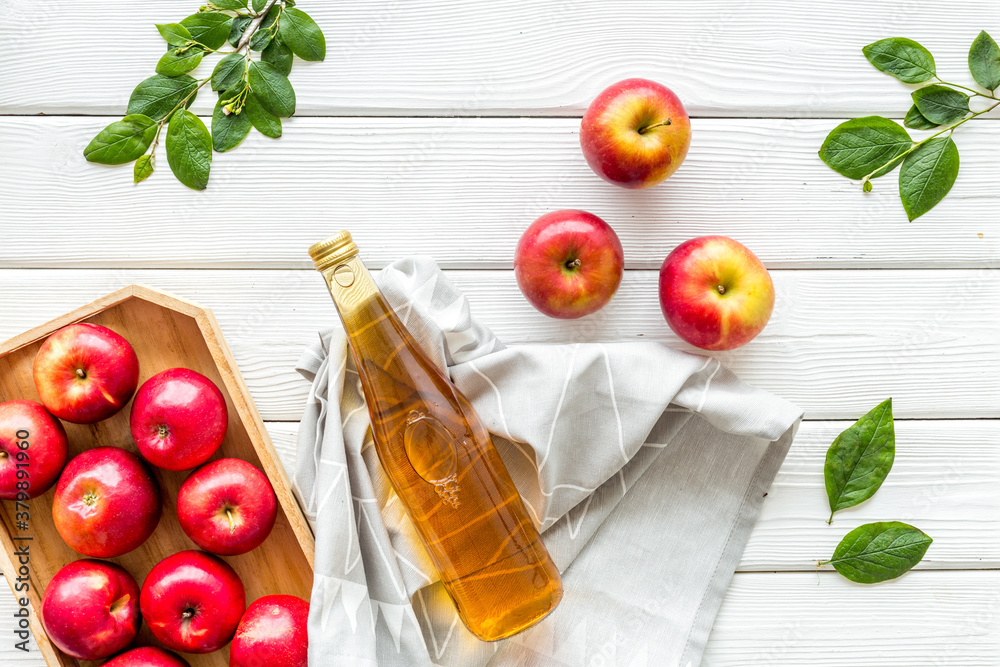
{"x":273,"y":631}
{"x":569,"y":263}
{"x":179,"y":419}
{"x":85,"y":373}
{"x":107,"y":502}
{"x":33,"y":449}
{"x":192,"y":602}
{"x":227,"y":507}
{"x":715,"y":293}
{"x":635,"y":134}
{"x":90,"y":609}
{"x":147,"y":656}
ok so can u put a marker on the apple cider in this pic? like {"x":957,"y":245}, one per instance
{"x":441,"y":462}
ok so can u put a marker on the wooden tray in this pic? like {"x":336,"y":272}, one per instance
{"x":166,"y":332}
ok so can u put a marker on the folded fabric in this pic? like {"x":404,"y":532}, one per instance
{"x":645,"y":468}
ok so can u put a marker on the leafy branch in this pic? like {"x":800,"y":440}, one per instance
{"x":253,"y":93}
{"x":869,"y":147}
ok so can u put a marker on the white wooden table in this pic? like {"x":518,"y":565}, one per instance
{"x":446,"y":127}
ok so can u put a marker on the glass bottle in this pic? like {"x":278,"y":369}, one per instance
{"x":441,"y":462}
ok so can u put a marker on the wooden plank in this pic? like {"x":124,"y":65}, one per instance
{"x":823,"y":620}
{"x":943,"y":481}
{"x":513,"y":57}
{"x":795,"y":619}
{"x":465,"y":189}
{"x":838,"y":343}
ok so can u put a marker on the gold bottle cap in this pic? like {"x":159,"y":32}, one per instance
{"x":333,"y":250}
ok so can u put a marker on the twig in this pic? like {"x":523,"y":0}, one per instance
{"x":252,"y":28}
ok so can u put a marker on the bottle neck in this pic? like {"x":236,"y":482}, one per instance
{"x":351,"y":287}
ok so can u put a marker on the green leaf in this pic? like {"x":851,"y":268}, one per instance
{"x":278,"y":55}
{"x":903,"y":58}
{"x":860,"y":458}
{"x":302,"y":34}
{"x":174,"y":64}
{"x":121,"y":141}
{"x":258,"y":5}
{"x":916,"y":121}
{"x":859,"y":146}
{"x":229,"y":4}
{"x":228,"y":130}
{"x":266,"y":122}
{"x":189,"y":149}
{"x":879,"y":551}
{"x":228,"y":71}
{"x":143,"y":168}
{"x":158,"y":94}
{"x":940,"y":104}
{"x":984,"y":61}
{"x":240,"y":24}
{"x":266,"y":30}
{"x":272,"y":89}
{"x":174,"y":33}
{"x":927,"y":175}
{"x":209,"y":28}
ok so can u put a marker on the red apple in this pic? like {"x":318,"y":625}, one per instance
{"x":227,"y":507}
{"x":33,"y":449}
{"x":179,"y":419}
{"x":91,"y":609}
{"x":147,"y":656}
{"x":85,"y":373}
{"x":569,"y":263}
{"x":635,"y":134}
{"x":107,"y":502}
{"x":272,"y":632}
{"x":192,"y":601}
{"x":715,"y":293}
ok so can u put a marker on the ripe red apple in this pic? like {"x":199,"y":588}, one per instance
{"x":85,"y":373}
{"x":227,"y":507}
{"x":272,"y":632}
{"x":192,"y":602}
{"x":635,"y":134}
{"x":33,"y":449}
{"x":179,"y":419}
{"x":569,"y":263}
{"x":147,"y":656}
{"x":715,"y":293}
{"x":107,"y":502}
{"x":91,"y":609}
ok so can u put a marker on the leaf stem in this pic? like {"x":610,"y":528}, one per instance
{"x":181,"y":103}
{"x":971,"y":90}
{"x":915,"y":146}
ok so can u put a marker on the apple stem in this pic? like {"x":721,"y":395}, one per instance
{"x":3,"y":455}
{"x":162,"y":431}
{"x":722,"y":289}
{"x":232,"y":524}
{"x":188,"y":613}
{"x":82,"y":374}
{"x":574,"y":263}
{"x":644,"y":130}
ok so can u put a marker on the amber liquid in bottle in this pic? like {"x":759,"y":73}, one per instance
{"x":441,"y":462}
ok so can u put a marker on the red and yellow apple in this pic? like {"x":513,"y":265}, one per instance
{"x":147,"y":656}
{"x":715,"y":293}
{"x":227,"y":507}
{"x":179,"y":419}
{"x":273,"y":631}
{"x":90,"y":609}
{"x":192,"y":602}
{"x":107,"y":502}
{"x":33,"y":449}
{"x":635,"y":134}
{"x":85,"y":373}
{"x":569,"y":263}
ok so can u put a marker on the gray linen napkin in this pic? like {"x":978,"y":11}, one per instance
{"x":644,"y":466}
